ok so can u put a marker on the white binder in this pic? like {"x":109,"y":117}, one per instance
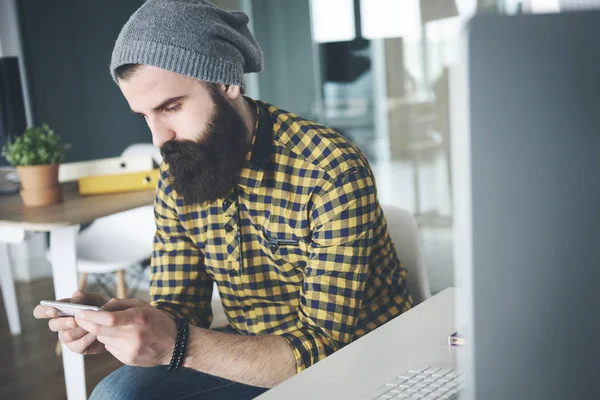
{"x":106,"y":166}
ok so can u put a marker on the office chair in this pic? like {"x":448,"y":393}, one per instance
{"x":404,"y":232}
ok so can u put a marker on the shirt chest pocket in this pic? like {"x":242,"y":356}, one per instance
{"x":285,"y":250}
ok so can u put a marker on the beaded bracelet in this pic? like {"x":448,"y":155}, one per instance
{"x":183,"y":329}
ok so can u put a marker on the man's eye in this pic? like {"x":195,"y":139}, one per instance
{"x":174,"y":108}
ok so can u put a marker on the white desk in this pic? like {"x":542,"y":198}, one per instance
{"x":416,"y":338}
{"x":62,"y":221}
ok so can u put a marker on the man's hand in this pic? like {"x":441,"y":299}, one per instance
{"x":133,"y":331}
{"x":77,"y":339}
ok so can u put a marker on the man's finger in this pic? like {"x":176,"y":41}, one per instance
{"x":95,"y":348}
{"x":97,"y":329}
{"x":123,"y":304}
{"x":65,"y":300}
{"x":88,"y":298}
{"x":43,"y":312}
{"x":62,"y":324}
{"x":71,"y":335}
{"x":81,"y":345}
{"x":104,"y":318}
{"x":116,"y":344}
{"x":110,"y":318}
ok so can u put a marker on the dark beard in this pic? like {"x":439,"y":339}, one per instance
{"x":207,"y":169}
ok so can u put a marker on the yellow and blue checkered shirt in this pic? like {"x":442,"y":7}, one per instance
{"x":299,"y":249}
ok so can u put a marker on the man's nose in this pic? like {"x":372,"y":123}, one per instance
{"x":161,"y":133}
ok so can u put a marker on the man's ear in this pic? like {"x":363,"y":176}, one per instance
{"x":231,"y":92}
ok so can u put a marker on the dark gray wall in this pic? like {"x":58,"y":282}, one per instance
{"x":68,"y":43}
{"x":282,"y":28}
{"x":67,"y":46}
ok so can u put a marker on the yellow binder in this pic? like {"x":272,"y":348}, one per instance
{"x":117,"y":183}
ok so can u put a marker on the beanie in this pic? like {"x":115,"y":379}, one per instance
{"x":189,"y":37}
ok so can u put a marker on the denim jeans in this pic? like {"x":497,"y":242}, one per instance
{"x":156,"y":383}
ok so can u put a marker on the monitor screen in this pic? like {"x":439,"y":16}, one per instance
{"x":12,"y":108}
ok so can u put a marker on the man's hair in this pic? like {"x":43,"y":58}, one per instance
{"x":126,"y":71}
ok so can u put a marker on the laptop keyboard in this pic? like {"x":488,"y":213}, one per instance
{"x":422,"y":384}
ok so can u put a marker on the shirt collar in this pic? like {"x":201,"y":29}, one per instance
{"x":256,"y":160}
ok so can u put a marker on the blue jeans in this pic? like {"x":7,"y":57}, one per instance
{"x":156,"y":383}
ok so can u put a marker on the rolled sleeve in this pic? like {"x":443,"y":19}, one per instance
{"x":335,"y":275}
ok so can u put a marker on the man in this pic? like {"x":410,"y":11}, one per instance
{"x":280,"y":212}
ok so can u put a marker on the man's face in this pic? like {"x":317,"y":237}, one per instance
{"x":200,"y":134}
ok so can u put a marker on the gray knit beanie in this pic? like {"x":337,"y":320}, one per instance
{"x":189,"y":37}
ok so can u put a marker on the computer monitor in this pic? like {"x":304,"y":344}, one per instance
{"x":12,"y":108}
{"x":526,"y":167}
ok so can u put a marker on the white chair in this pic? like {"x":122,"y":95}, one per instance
{"x":114,"y":243}
{"x":405,"y":235}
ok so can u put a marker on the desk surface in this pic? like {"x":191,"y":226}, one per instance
{"x":416,"y":338}
{"x":73,"y":210}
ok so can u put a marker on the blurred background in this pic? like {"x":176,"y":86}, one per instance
{"x":375,"y":70}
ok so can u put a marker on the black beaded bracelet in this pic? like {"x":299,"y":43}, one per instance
{"x":181,"y":340}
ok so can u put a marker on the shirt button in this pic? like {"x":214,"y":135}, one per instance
{"x":226,"y":204}
{"x":228,"y":228}
{"x":273,"y":246}
{"x":233,"y":273}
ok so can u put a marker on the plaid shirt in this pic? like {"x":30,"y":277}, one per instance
{"x":300,"y":247}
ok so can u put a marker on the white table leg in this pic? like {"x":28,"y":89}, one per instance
{"x":8,"y":291}
{"x":64,"y":270}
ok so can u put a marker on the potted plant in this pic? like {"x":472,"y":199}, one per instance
{"x":37,"y":154}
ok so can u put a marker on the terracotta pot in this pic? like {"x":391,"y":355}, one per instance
{"x":39,"y":185}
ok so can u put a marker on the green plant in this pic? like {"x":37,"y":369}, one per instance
{"x":39,"y":145}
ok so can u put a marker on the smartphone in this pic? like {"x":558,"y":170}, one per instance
{"x":67,"y":309}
